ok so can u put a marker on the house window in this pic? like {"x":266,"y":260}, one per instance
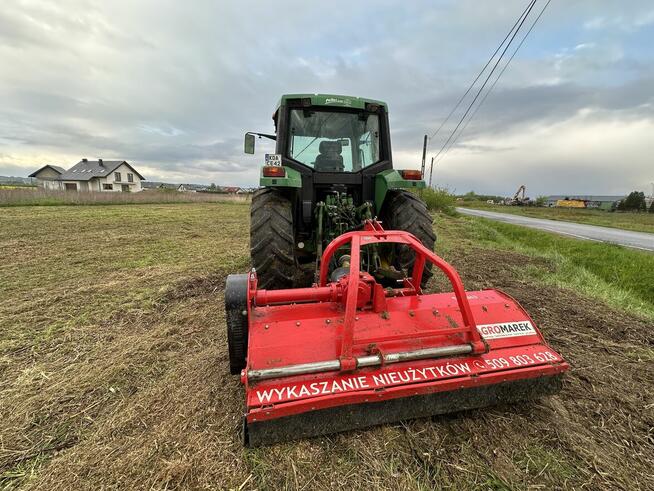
{"x":117,"y":176}
{"x":108,"y":187}
{"x":130,"y":177}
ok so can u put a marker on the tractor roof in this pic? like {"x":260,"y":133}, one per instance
{"x":332,"y":100}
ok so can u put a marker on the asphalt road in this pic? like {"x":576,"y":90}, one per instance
{"x":627,"y":238}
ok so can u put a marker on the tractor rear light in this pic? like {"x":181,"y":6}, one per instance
{"x":413,"y":175}
{"x":273,"y":171}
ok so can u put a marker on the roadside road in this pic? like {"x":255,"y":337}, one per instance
{"x":627,"y":238}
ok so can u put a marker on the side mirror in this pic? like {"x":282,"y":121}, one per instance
{"x":248,"y":145}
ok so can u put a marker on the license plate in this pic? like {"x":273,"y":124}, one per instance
{"x":274,"y":159}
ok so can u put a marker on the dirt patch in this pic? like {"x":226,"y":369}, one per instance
{"x":151,"y":405}
{"x":194,"y":287}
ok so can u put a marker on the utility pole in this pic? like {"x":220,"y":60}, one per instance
{"x":424,"y":154}
{"x":431,"y":171}
{"x":422,"y":167}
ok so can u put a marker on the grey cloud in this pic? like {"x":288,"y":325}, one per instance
{"x":173,"y":86}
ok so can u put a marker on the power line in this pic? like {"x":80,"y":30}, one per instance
{"x":530,"y":4}
{"x":486,"y":80}
{"x":496,"y":80}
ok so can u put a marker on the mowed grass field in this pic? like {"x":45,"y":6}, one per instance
{"x":639,"y":222}
{"x":114,"y":374}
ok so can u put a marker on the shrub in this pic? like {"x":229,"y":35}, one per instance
{"x":439,"y":199}
{"x":634,"y":202}
{"x":472,"y":196}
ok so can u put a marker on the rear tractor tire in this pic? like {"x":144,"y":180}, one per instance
{"x":272,"y":239}
{"x":403,"y":210}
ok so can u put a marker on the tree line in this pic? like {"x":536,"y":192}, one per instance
{"x":635,"y":202}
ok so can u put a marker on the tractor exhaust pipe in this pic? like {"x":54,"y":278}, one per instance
{"x":361,"y":362}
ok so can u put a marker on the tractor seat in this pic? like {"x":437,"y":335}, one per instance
{"x":329,"y":159}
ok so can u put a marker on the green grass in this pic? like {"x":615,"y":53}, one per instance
{"x":537,"y":460}
{"x":619,"y":276}
{"x":25,"y":471}
{"x":439,"y":199}
{"x":639,"y":222}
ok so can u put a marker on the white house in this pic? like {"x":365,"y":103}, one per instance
{"x":91,"y":175}
{"x":47,"y":177}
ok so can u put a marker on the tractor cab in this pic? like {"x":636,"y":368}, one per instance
{"x":324,"y":133}
{"x":333,"y":140}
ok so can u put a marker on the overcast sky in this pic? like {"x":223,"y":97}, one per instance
{"x":172,"y":86}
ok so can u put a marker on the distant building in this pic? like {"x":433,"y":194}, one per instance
{"x":191,"y":188}
{"x":589,"y":201}
{"x":158,"y":185}
{"x":48,"y":177}
{"x":91,"y":175}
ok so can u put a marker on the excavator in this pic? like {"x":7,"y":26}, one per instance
{"x":519,"y":198}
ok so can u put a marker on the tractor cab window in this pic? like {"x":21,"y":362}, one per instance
{"x":333,"y":141}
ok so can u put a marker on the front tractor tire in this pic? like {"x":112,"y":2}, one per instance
{"x":403,"y":210}
{"x":272,"y":239}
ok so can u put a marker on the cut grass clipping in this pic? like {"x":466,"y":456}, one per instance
{"x":617,"y":275}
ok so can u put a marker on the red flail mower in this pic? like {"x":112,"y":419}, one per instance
{"x":350,"y":353}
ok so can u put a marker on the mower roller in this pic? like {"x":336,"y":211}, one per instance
{"x":349,"y":352}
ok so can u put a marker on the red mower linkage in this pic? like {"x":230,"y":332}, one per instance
{"x":350,"y":353}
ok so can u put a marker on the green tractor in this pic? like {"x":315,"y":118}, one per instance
{"x":332,"y":169}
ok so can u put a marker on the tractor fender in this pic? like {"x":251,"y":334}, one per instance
{"x":392,"y":179}
{"x":293,"y":179}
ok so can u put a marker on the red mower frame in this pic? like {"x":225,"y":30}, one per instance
{"x":351,"y":289}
